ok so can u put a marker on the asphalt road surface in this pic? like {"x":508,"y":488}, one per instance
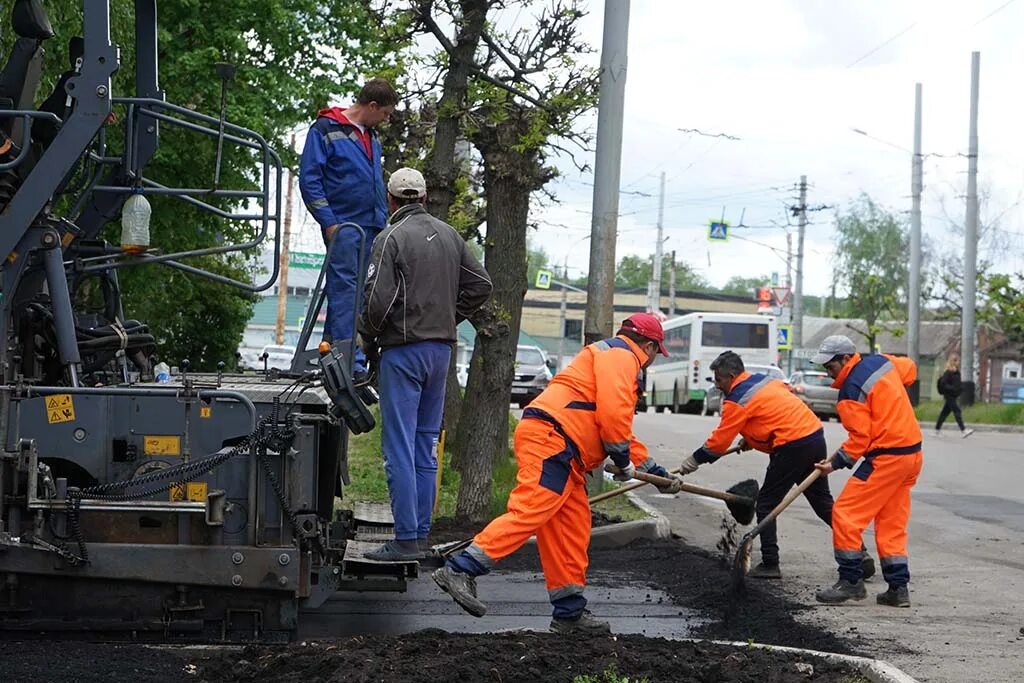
{"x":966,"y":549}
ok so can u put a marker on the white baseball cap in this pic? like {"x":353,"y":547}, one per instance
{"x":835,"y":345}
{"x":407,"y":183}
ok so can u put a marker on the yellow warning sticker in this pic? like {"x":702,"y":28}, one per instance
{"x":197,"y":491}
{"x":60,"y":408}
{"x":205,"y":411}
{"x":162,"y":445}
{"x":194,"y":491}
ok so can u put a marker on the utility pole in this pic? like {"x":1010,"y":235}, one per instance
{"x":607,"y":169}
{"x":798,"y":291}
{"x":967,"y":330}
{"x":914,"y":291}
{"x":282,"y":281}
{"x":654,"y":285}
{"x":672,"y":287}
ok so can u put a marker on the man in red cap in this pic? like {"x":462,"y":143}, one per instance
{"x":583,"y":417}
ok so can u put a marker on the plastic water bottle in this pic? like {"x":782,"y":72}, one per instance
{"x":162,"y":373}
{"x":135,"y":217}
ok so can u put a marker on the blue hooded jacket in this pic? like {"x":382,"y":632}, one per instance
{"x":338,"y":181}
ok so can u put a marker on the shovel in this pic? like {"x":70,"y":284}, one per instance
{"x":739,"y":498}
{"x":741,"y":563}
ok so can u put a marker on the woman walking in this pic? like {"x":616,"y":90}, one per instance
{"x":950,"y":387}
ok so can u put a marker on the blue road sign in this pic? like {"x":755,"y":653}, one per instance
{"x":718,"y":231}
{"x":785,"y":341}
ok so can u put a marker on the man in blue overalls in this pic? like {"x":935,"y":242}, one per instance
{"x":342,"y":181}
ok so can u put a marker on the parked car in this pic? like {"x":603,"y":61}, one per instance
{"x":713,"y":397}
{"x":279,"y":357}
{"x":532,"y":374}
{"x":815,"y":390}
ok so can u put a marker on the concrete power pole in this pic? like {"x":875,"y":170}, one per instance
{"x":672,"y":287}
{"x":798,"y":290}
{"x":914,"y":291}
{"x":607,"y":167}
{"x":967,"y":330}
{"x":654,"y":285}
{"x":282,"y":281}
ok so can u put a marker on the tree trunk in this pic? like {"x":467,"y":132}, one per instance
{"x":441,"y":168}
{"x":510,"y":176}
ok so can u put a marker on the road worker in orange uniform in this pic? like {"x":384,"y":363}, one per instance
{"x":584,"y":417}
{"x":772,"y":420}
{"x":885,"y":437}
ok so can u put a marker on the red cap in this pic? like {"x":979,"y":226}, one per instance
{"x":648,"y":326}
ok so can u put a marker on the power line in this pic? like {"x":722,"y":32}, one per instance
{"x":871,"y":52}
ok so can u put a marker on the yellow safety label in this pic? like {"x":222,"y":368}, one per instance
{"x":177,"y":493}
{"x":197,"y":491}
{"x":205,"y":411}
{"x":60,"y":408}
{"x":162,"y":445}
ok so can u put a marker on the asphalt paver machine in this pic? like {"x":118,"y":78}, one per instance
{"x":196,"y":507}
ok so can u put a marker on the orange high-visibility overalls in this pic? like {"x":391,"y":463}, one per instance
{"x":885,"y":435}
{"x":772,"y":420}
{"x":584,"y":416}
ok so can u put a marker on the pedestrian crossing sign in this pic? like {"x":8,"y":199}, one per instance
{"x":785,"y":340}
{"x":543,"y":279}
{"x":718,"y":231}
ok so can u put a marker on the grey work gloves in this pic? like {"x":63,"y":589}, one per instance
{"x":689,"y":465}
{"x":625,"y":473}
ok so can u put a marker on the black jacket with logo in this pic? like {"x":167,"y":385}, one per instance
{"x":422,"y":280}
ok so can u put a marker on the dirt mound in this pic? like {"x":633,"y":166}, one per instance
{"x":525,"y":657}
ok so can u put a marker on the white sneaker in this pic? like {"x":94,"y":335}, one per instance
{"x":937,"y":434}
{"x":966,"y":433}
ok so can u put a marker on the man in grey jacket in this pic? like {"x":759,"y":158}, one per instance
{"x":422,"y":281}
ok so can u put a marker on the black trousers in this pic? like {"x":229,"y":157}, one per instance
{"x":787,"y":467}
{"x":950,"y":406}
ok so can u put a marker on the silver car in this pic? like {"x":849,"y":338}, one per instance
{"x":713,"y":397}
{"x":814,"y":388}
{"x":533,"y":373}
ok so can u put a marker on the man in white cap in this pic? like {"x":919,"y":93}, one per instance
{"x":422,"y":280}
{"x":885,"y":438}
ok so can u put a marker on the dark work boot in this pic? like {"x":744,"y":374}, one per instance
{"x":867,"y":567}
{"x":895,"y":597}
{"x":841,"y":592}
{"x":395,"y":551}
{"x":765,"y":571}
{"x":462,"y":588}
{"x":586,"y":624}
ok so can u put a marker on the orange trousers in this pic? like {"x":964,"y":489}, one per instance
{"x":879,"y":492}
{"x":549,"y":500}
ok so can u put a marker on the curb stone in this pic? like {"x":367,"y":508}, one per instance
{"x":929,"y":427}
{"x":877,"y":670}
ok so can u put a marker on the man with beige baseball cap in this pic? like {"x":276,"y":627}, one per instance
{"x":422,"y":281}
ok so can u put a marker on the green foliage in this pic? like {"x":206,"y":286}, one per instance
{"x":979,"y":413}
{"x":609,"y":675}
{"x":1003,"y":297}
{"x":635,"y":272}
{"x":745,"y":286}
{"x":292,"y":58}
{"x":871,"y":261}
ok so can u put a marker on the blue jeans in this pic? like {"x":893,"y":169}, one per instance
{"x":343,"y":301}
{"x":412,"y":384}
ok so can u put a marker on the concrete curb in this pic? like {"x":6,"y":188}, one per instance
{"x":929,"y":427}
{"x":877,"y":670}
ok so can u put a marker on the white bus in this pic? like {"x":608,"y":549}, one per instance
{"x":679,"y":382}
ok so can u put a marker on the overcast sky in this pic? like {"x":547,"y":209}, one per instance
{"x":791,"y":78}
